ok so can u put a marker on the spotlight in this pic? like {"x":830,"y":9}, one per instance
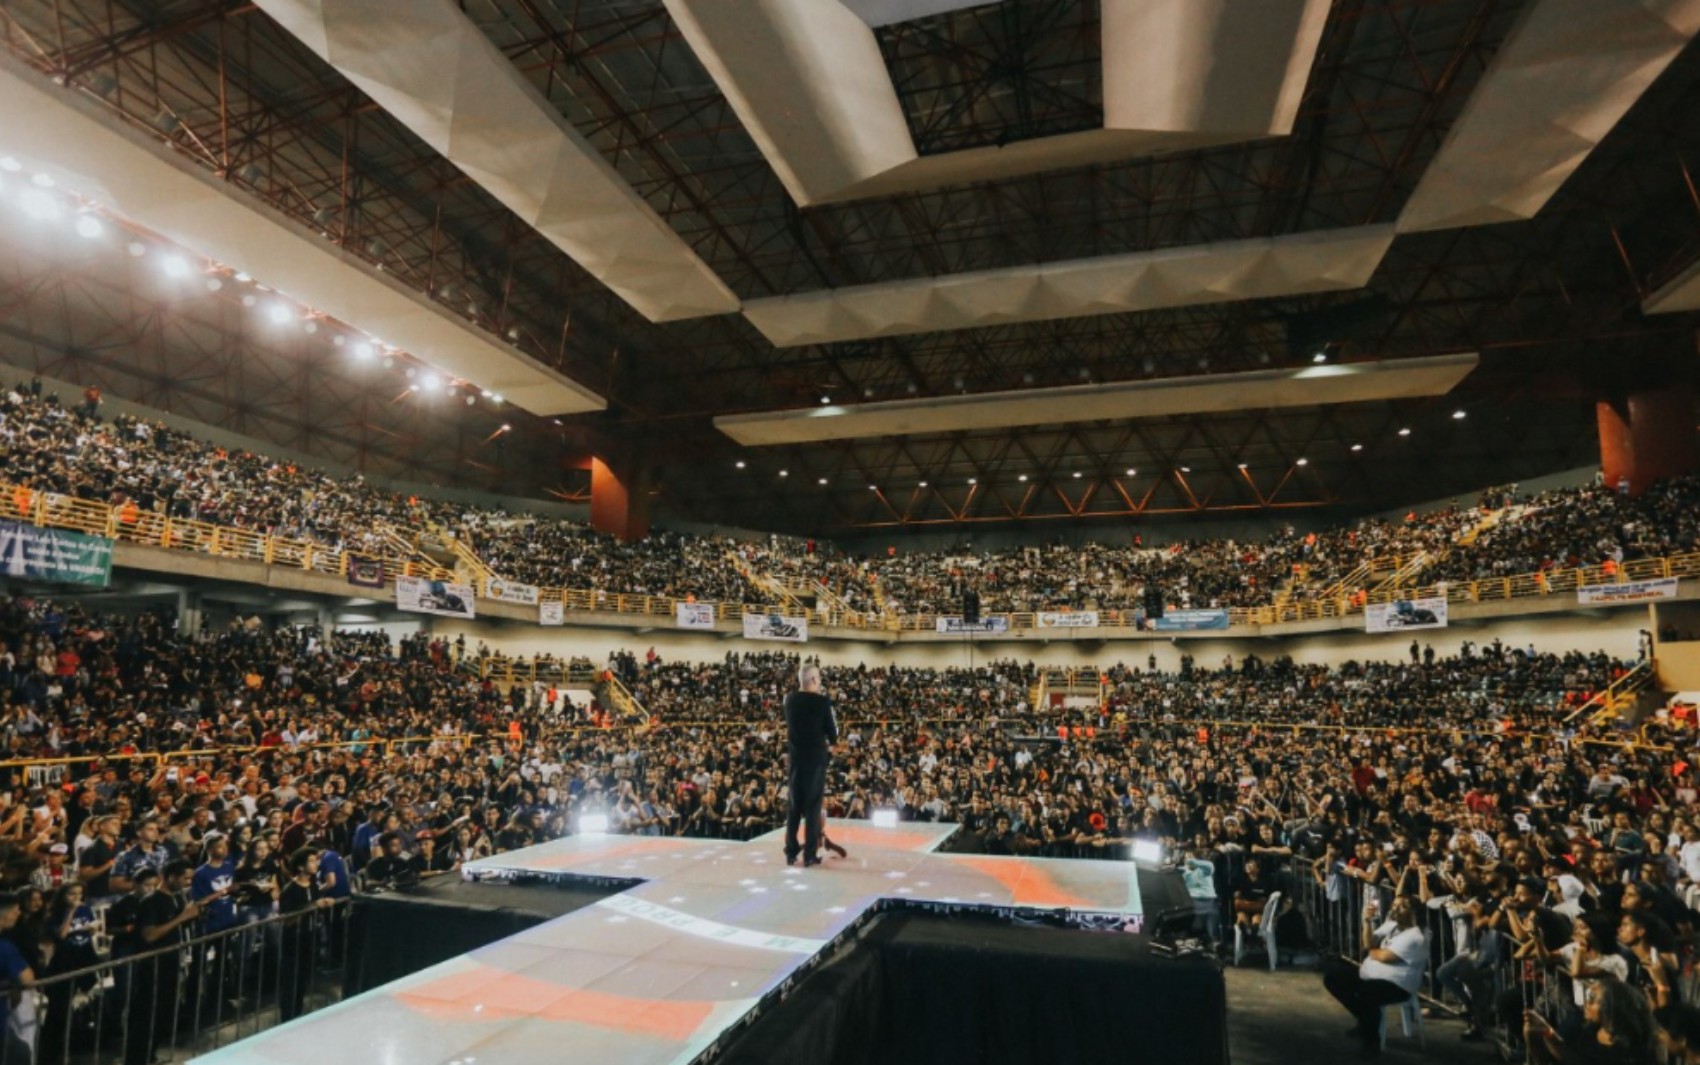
{"x":1148,"y":851}
{"x":1357,"y":447}
{"x":1320,"y":357}
{"x":823,"y":480}
{"x":1404,"y":432}
{"x":39,"y":205}
{"x":243,"y":277}
{"x":174,"y":266}
{"x":1022,"y":478}
{"x":279,"y":314}
{"x":1242,"y":465}
{"x":1459,"y":415}
{"x":1186,"y":469}
{"x":214,"y":284}
{"x":506,"y":428}
{"x":923,"y":484}
{"x":1077,"y":475}
{"x":496,"y":398}
{"x":430,"y":382}
{"x":1303,"y":462}
{"x":593,"y":824}
{"x":739,"y":464}
{"x":485,"y":393}
{"x":42,"y":181}
{"x":363,"y":350}
{"x":825,"y":400}
{"x":10,"y":165}
{"x":784,"y":473}
{"x":885,"y":818}
{"x":1131,"y":472}
{"x":873,"y":487}
{"x":973,"y":480}
{"x":89,"y":226}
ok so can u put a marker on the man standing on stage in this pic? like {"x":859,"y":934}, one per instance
{"x":812,"y":730}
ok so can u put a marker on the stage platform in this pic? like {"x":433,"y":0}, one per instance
{"x":702,"y":933}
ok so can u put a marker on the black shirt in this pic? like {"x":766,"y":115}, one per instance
{"x":810,"y":727}
{"x":296,"y":897}
{"x":160,"y":908}
{"x":95,"y":855}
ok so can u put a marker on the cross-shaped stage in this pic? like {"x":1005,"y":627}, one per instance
{"x":658,"y":972}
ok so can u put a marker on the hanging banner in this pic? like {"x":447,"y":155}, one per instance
{"x":958,"y":627}
{"x":37,"y":554}
{"x":434,"y":597}
{"x":1627,"y":592}
{"x":510,"y":591}
{"x":552,"y":613}
{"x":1405,"y":614}
{"x":776,"y":627}
{"x":1190,"y":620}
{"x":365,"y":572}
{"x":1067,"y":619}
{"x":694,"y":615}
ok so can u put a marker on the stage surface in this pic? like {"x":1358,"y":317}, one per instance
{"x":658,"y":972}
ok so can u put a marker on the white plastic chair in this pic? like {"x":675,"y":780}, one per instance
{"x":1410,"y":1016}
{"x":1265,"y":931}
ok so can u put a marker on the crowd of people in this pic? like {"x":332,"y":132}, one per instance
{"x":248,"y":752}
{"x":145,"y":468}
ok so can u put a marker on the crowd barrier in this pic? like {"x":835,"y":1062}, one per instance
{"x":98,"y":1003}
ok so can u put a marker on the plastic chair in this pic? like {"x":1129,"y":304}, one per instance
{"x":1265,"y":931}
{"x":1410,"y":1016}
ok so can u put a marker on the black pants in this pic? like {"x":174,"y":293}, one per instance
{"x":808,"y":791}
{"x":1362,"y":998}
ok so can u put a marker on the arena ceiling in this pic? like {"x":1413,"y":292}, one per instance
{"x":606,"y":189}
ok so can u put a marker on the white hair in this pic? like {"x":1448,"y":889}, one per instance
{"x":809,"y":672}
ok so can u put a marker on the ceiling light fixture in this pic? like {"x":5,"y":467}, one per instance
{"x":89,"y":226}
{"x":1404,"y":432}
{"x":1357,"y":447}
{"x":1458,"y":415}
{"x":1304,"y":462}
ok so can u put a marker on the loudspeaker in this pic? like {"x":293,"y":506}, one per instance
{"x":971,"y":607}
{"x":1153,"y":601}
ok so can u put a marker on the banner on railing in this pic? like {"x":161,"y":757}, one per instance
{"x":434,"y":597}
{"x":510,"y":592}
{"x":1067,"y":619}
{"x":1406,"y":614}
{"x":36,"y":554}
{"x":1190,"y":620}
{"x":365,"y":572}
{"x":694,"y":615}
{"x":552,"y":613}
{"x":959,"y":627}
{"x":1627,"y":592}
{"x":776,"y":627}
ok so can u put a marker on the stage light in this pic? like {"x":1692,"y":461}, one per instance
{"x":923,"y":484}
{"x":506,"y":428}
{"x":39,"y":205}
{"x":825,"y":400}
{"x":593,"y":824}
{"x":496,"y":398}
{"x":1022,"y":478}
{"x":243,"y":276}
{"x":1186,"y":469}
{"x":784,"y":473}
{"x":279,"y":314}
{"x":739,"y":464}
{"x":214,"y":284}
{"x":1357,"y":447}
{"x":1304,"y":462}
{"x":42,"y":181}
{"x":1459,"y":415}
{"x":89,"y":226}
{"x":10,"y":165}
{"x":363,"y":350}
{"x":1077,"y":475}
{"x":1320,"y":357}
{"x":485,"y":393}
{"x":873,"y":487}
{"x":175,"y":266}
{"x":1404,"y":432}
{"x":1242,"y":465}
{"x":823,"y":480}
{"x":973,"y":480}
{"x":430,"y":382}
{"x":1147,"y":850}
{"x":885,"y":818}
{"x":1131,"y":472}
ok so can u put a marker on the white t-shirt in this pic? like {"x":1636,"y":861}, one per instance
{"x":1609,"y":964}
{"x":1411,"y":947}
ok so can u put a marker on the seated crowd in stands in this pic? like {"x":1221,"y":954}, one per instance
{"x":147,"y":469}
{"x":1462,"y":784}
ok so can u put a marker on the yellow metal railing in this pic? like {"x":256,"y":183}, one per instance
{"x":130,"y":525}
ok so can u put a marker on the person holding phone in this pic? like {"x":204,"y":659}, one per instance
{"x":1390,"y":973}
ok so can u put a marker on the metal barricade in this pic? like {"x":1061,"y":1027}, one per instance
{"x":182,"y":999}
